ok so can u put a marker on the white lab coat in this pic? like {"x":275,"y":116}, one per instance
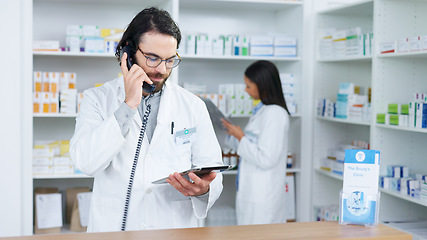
{"x":98,"y":148}
{"x":262,"y":169}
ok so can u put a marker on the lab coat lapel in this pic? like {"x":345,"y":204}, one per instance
{"x":121,"y":98}
{"x":165,"y":108}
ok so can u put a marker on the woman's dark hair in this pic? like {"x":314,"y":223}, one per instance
{"x":149,"y":19}
{"x":266,"y":77}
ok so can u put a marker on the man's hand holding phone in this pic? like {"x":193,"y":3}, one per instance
{"x":133,"y":79}
{"x":199,"y":186}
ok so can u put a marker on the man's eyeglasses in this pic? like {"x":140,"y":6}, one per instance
{"x":156,"y":61}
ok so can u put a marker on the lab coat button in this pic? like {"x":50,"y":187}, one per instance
{"x":148,"y":191}
{"x":143,"y":226}
{"x":148,"y":156}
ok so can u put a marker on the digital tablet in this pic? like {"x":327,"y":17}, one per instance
{"x":215,"y":114}
{"x":199,"y":171}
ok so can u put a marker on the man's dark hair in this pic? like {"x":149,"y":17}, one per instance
{"x":149,"y":19}
{"x":266,"y":77}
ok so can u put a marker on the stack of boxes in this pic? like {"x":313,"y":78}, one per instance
{"x":55,"y":92}
{"x":398,"y":179}
{"x":289,"y":91}
{"x":334,"y":161}
{"x":350,"y":104}
{"x":84,"y":38}
{"x":413,"y":114}
{"x":345,"y":43}
{"x":239,"y":45}
{"x":238,"y":102}
{"x":52,"y":157}
{"x":412,"y":44}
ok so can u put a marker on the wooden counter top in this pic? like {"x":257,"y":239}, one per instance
{"x":300,"y":230}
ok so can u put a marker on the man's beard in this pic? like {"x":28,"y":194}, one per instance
{"x":159,"y":85}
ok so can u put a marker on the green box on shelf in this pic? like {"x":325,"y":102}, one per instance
{"x":404,"y":109}
{"x":381,"y":118}
{"x":393,"y":108}
{"x":394,"y":119}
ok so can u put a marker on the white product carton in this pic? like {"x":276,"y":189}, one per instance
{"x":191,"y":44}
{"x":280,"y":51}
{"x":414,"y":44}
{"x":46,"y":46}
{"x":424,"y":42}
{"x":63,"y":169}
{"x":45,"y":102}
{"x":261,"y":50}
{"x":72,"y":81}
{"x":218,"y":47}
{"x":54,"y":102}
{"x":73,"y":43}
{"x":229,"y":91}
{"x":228,"y":45}
{"x":91,"y":31}
{"x":239,"y":90}
{"x":79,"y":101}
{"x":208,"y":46}
{"x":201,"y":44}
{"x":74,"y":30}
{"x":94,"y":44}
{"x":42,"y":169}
{"x":54,"y":82}
{"x":240,"y":107}
{"x":285,"y":41}
{"x":261,"y":40}
{"x":403,"y":45}
{"x":62,"y":161}
{"x":231,"y":106}
{"x":412,"y":114}
{"x":222,"y":103}
{"x":37,"y":100}
{"x":64,"y":81}
{"x":236,"y":45}
{"x":388,"y":47}
{"x":45,"y":82}
{"x":213,"y":97}
{"x":244,"y":46}
{"x":248,"y":106}
{"x":42,"y":161}
{"x":37,"y":80}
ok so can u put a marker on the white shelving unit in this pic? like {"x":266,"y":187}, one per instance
{"x":248,"y":18}
{"x":395,"y":77}
{"x":213,"y":17}
{"x":328,"y":73}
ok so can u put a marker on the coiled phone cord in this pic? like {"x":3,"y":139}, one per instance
{"x":135,"y":161}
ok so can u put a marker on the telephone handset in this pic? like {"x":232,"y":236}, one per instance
{"x":146,"y":87}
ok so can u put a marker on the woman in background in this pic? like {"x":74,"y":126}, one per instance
{"x":262,"y":148}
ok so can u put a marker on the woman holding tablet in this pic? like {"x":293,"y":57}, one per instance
{"x":262,"y":147}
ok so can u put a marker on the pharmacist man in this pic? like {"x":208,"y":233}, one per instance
{"x":108,"y":128}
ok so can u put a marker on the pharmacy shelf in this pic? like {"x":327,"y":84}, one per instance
{"x":266,"y":5}
{"x":137,"y":2}
{"x":409,"y":129}
{"x":419,"y":54}
{"x":330,"y":174}
{"x":72,"y":54}
{"x":347,"y":59}
{"x":55,"y":115}
{"x":184,"y":56}
{"x":344,"y":121}
{"x":62,"y":176}
{"x":240,"y":58}
{"x":289,"y":170}
{"x":404,"y":197}
{"x":361,"y":7}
